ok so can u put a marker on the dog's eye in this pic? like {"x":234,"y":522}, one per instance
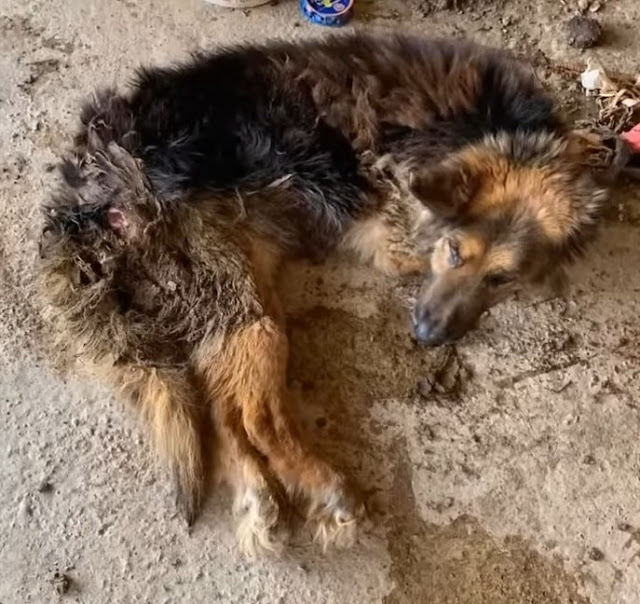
{"x":498,"y":279}
{"x":454,"y":255}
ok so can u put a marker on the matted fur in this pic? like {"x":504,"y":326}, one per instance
{"x":181,"y":197}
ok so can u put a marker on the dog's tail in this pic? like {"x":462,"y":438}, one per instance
{"x":178,"y":420}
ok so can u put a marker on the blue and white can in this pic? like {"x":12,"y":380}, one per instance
{"x":331,"y":13}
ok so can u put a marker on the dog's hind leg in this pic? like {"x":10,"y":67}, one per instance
{"x":180,"y":426}
{"x":251,"y":371}
{"x":259,"y":503}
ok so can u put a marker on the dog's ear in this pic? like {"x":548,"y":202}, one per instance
{"x":444,"y":189}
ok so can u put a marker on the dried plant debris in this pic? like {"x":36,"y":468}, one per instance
{"x":604,"y":150}
{"x":618,"y":100}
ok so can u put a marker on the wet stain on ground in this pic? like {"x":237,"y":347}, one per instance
{"x":460,"y":563}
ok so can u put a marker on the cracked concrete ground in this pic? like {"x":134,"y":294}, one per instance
{"x":506,"y":471}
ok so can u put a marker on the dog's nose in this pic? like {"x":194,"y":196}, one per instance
{"x":423,"y":331}
{"x":426,"y":331}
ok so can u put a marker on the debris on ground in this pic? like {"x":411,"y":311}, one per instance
{"x":583,"y":32}
{"x":592,"y":6}
{"x":61,"y":582}
{"x":447,"y":377}
{"x":618,"y":100}
{"x":615,"y":132}
{"x":619,"y":111}
{"x":425,"y":8}
{"x":596,"y":81}
{"x":45,"y":487}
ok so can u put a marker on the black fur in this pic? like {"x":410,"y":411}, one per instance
{"x":233,"y":122}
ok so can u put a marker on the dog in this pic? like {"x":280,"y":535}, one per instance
{"x":180,"y":199}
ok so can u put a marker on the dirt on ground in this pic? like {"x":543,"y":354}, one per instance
{"x":504,"y":469}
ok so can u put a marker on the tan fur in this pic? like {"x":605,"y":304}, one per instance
{"x":250,"y":374}
{"x":384,"y":246}
{"x":171,"y":406}
{"x":538,"y":190}
{"x":257,"y":501}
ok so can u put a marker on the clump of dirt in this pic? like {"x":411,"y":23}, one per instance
{"x":61,"y":582}
{"x":460,"y":563}
{"x":426,"y":7}
{"x":583,"y":32}
{"x":447,"y":377}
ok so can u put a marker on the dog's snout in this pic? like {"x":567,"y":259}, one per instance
{"x":423,"y":331}
{"x":425,"y":328}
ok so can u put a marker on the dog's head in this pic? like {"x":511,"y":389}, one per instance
{"x":511,"y":211}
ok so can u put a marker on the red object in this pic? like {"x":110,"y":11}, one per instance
{"x":632,"y":138}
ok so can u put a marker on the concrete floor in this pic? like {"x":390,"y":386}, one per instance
{"x":517,"y":480}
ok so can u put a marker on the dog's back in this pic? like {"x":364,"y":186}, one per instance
{"x":297,"y":119}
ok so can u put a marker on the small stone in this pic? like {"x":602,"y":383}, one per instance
{"x":589,"y":460}
{"x":24,"y":509}
{"x":45,"y":487}
{"x":428,"y":432}
{"x":61,"y":583}
{"x":583,"y":32}
{"x":583,"y":5}
{"x":596,"y":554}
{"x":425,"y":388}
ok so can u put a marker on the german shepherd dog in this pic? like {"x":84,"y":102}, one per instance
{"x":181,"y":198}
